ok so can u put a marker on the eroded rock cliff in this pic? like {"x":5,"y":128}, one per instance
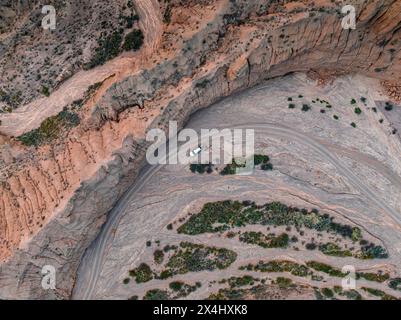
{"x":55,"y":197}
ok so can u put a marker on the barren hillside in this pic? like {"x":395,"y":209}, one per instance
{"x":73,"y":120}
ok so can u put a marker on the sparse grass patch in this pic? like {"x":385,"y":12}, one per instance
{"x":50,"y":129}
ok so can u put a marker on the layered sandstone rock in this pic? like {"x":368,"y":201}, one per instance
{"x":55,"y":198}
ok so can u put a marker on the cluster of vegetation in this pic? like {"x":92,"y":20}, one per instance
{"x":133,"y":40}
{"x":379,"y":293}
{"x":187,"y":257}
{"x":201,"y":168}
{"x":294,"y":268}
{"x":191,"y":257}
{"x":368,"y":251}
{"x":258,"y":292}
{"x":261,"y":161}
{"x":223,"y":215}
{"x":231,"y":168}
{"x":111,"y":46}
{"x":388,"y":106}
{"x":265,"y":241}
{"x":129,"y":20}
{"x":50,"y":129}
{"x":372,"y":251}
{"x":143,"y":273}
{"x":158,"y":256}
{"x":325,"y":268}
{"x":202,"y":84}
{"x":108,"y":48}
{"x":284,"y":283}
{"x":236,"y":282}
{"x":167,"y":14}
{"x":177,"y":289}
{"x":306,"y":107}
{"x":77,"y":104}
{"x":332,"y":249}
{"x":13,"y":100}
{"x":329,"y":294}
{"x":334,"y":272}
{"x":45,"y":91}
{"x":375,"y":277}
{"x":395,"y":284}
{"x":157,"y":294}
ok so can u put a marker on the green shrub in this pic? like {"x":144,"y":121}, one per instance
{"x":327,"y":292}
{"x":395,"y":284}
{"x":325,"y":268}
{"x":376,"y":277}
{"x":352,"y":295}
{"x":196,"y":257}
{"x":143,"y":273}
{"x":45,"y":91}
{"x":259,"y":159}
{"x":388,"y":106}
{"x":267,"y":167}
{"x":305,"y":107}
{"x":133,"y":40}
{"x":156,"y":294}
{"x":333,"y":249}
{"x":379,"y":293}
{"x":176,"y":285}
{"x":201,"y":168}
{"x":283,"y":283}
{"x":294,"y":268}
{"x":158,"y":256}
{"x":264,"y":241}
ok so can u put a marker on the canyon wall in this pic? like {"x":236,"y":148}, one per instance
{"x":56,"y":197}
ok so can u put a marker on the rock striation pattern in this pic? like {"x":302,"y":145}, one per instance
{"x":54,"y":198}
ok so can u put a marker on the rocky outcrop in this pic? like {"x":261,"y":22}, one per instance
{"x":54,"y":204}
